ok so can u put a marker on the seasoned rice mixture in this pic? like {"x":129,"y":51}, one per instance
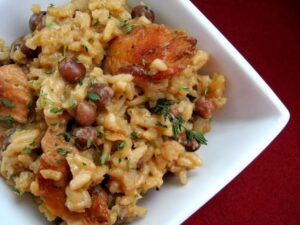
{"x":97,"y":103}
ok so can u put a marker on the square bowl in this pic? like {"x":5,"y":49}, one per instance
{"x":252,"y":118}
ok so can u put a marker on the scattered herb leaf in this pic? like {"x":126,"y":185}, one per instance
{"x":66,"y":135}
{"x":56,"y":110}
{"x":80,"y":80}
{"x":71,"y":103}
{"x":198,"y":136}
{"x":128,"y":28}
{"x":7,"y":103}
{"x":26,"y":151}
{"x":177,"y":125}
{"x":7,"y":118}
{"x":14,"y":189}
{"x":133,"y":135}
{"x":187,"y":89}
{"x":62,"y":151}
{"x":144,"y":62}
{"x":93,"y":96}
{"x":162,"y":107}
{"x":103,"y":158}
{"x":33,"y":144}
{"x":159,"y":124}
{"x":120,"y":145}
{"x":97,"y":22}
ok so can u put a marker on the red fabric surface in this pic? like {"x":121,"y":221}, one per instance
{"x":267,"y":33}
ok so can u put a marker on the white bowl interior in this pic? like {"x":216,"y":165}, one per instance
{"x":252,"y":118}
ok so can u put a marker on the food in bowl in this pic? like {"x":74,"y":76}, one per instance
{"x":98,"y":103}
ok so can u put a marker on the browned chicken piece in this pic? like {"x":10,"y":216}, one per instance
{"x":53,"y":192}
{"x":15,"y":94}
{"x":133,"y":53}
{"x":52,"y":141}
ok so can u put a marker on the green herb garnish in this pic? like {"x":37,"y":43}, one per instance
{"x":93,"y":96}
{"x":128,"y":29}
{"x":103,"y":158}
{"x":133,"y":135}
{"x":14,"y":189}
{"x":26,"y":151}
{"x":198,"y":136}
{"x":66,"y":135}
{"x":97,"y":22}
{"x":120,"y":145}
{"x":187,"y":89}
{"x":7,"y":118}
{"x":177,"y":126}
{"x":56,"y":110}
{"x":162,"y":107}
{"x":71,"y":103}
{"x":159,"y":124}
{"x":62,"y":151}
{"x":7,"y":103}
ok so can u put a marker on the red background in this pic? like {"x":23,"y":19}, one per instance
{"x":267,"y":33}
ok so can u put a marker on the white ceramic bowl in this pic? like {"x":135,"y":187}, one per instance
{"x":253,"y":117}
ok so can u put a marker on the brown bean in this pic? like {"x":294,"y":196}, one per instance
{"x":142,"y":10}
{"x":205,"y":107}
{"x":189,"y":147}
{"x":85,"y":113}
{"x":103,"y":92}
{"x":71,"y":70}
{"x":20,"y":43}
{"x":84,"y":137}
{"x":36,"y":21}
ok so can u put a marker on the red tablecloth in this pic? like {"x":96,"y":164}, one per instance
{"x":267,"y":33}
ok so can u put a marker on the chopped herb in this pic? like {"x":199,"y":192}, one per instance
{"x":71,"y":103}
{"x":66,"y":135}
{"x":119,"y":160}
{"x":7,"y":118}
{"x":128,"y":29}
{"x":7,"y":103}
{"x":144,"y":62}
{"x":187,"y":89}
{"x":29,"y":105}
{"x":80,"y":80}
{"x":162,"y":107}
{"x":97,"y":22}
{"x":62,"y":151}
{"x":83,"y":163}
{"x":33,"y":144}
{"x":85,"y":48}
{"x":26,"y":151}
{"x":123,"y":22}
{"x":120,"y":145}
{"x":159,"y":124}
{"x":198,"y":136}
{"x":109,"y":17}
{"x":93,"y":96}
{"x":89,"y":143}
{"x":177,"y":125}
{"x":56,"y":110}
{"x":128,"y":164}
{"x":133,"y":135}
{"x":14,"y":189}
{"x":50,"y":24}
{"x":103,"y":158}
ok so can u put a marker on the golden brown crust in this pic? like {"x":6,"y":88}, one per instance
{"x":53,"y":192}
{"x":147,"y":43}
{"x":14,"y":88}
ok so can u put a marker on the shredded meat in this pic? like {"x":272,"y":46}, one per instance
{"x":53,"y":192}
{"x":145,"y":44}
{"x":14,"y":88}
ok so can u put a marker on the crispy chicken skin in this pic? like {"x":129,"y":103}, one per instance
{"x":145,"y":44}
{"x":14,"y":88}
{"x":53,"y":192}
